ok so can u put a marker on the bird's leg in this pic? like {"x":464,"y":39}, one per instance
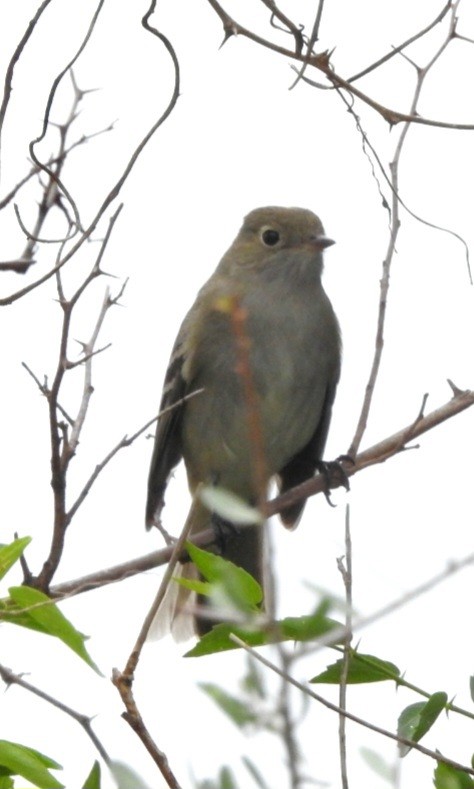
{"x":223,"y":531}
{"x":334,"y":474}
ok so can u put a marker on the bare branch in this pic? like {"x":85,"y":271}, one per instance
{"x":436,"y":755}
{"x":395,"y":226}
{"x":290,"y":26}
{"x":399,"y":49}
{"x":114,"y":192}
{"x":21,"y":265}
{"x":321,"y":62}
{"x":52,"y":175}
{"x":126,"y":441}
{"x":378,"y":453}
{"x":123,"y":681}
{"x":14,"y":60}
{"x":10,"y":678}
{"x":345,"y":568}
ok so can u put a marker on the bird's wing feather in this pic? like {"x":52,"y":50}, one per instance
{"x":167,"y":450}
{"x":303,"y":465}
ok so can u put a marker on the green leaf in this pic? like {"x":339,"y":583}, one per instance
{"x":255,"y":773}
{"x":9,"y":554}
{"x":447,"y":777}
{"x":471,"y":687}
{"x":217,"y":640}
{"x":93,"y":779}
{"x":240,"y":713}
{"x":229,"y":583}
{"x":30,"y":764}
{"x":380,"y":767}
{"x":225,"y":780}
{"x":6,"y":782}
{"x":362,"y":668}
{"x":229,"y":506}
{"x":290,"y":629}
{"x":40,"y":613}
{"x":125,"y":777}
{"x":417,"y":719}
{"x":307,"y":628}
{"x":253,"y":681}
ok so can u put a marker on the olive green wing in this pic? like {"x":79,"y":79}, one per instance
{"x":303,"y":465}
{"x":167,"y":451}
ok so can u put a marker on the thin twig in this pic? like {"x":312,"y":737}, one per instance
{"x":345,"y":568}
{"x":314,"y":37}
{"x":123,"y":680}
{"x":52,"y":175}
{"x":290,"y":26}
{"x":10,"y":678}
{"x":115,"y":191}
{"x":126,"y":441}
{"x":14,"y":60}
{"x":238,"y":318}
{"x":399,"y":49}
{"x":394,"y":229}
{"x":321,"y":62}
{"x":436,"y":755}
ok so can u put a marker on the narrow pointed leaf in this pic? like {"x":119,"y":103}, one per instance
{"x":362,"y":668}
{"x":9,"y":554}
{"x":29,"y":764}
{"x":417,"y":719}
{"x":42,"y":612}
{"x":240,"y":713}
{"x":289,"y":629}
{"x":235,"y":584}
{"x":126,"y":778}
{"x":93,"y":779}
{"x":447,"y":777}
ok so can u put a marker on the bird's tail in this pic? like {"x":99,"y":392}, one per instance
{"x":182,"y":612}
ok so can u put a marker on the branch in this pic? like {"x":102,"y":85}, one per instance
{"x":436,"y":755}
{"x":115,"y":191}
{"x":10,"y":678}
{"x":394,"y":228}
{"x":126,"y":441}
{"x":56,"y":182}
{"x":321,"y":62}
{"x":378,"y":453}
{"x":345,"y":569}
{"x":15,"y":57}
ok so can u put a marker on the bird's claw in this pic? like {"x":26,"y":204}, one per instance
{"x":223,"y":531}
{"x":334,"y":475}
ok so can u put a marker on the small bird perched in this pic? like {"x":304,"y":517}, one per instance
{"x":273,"y":272}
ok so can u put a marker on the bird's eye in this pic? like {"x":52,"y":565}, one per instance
{"x":270,"y":237}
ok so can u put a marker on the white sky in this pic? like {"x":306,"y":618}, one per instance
{"x":237,"y":139}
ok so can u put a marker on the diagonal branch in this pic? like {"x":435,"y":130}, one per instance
{"x":10,"y":678}
{"x":378,"y":453}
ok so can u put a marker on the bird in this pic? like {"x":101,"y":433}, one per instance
{"x":272,"y":274}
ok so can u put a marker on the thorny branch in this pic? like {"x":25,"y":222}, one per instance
{"x":378,"y":453}
{"x":14,"y":60}
{"x":64,"y":436}
{"x":321,"y":61}
{"x":394,"y":229}
{"x":115,"y":191}
{"x":10,"y":678}
{"x":436,"y":755}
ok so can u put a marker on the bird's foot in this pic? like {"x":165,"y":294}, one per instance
{"x":334,"y":475}
{"x":224,"y":531}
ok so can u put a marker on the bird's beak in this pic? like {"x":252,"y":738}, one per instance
{"x":322,"y":241}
